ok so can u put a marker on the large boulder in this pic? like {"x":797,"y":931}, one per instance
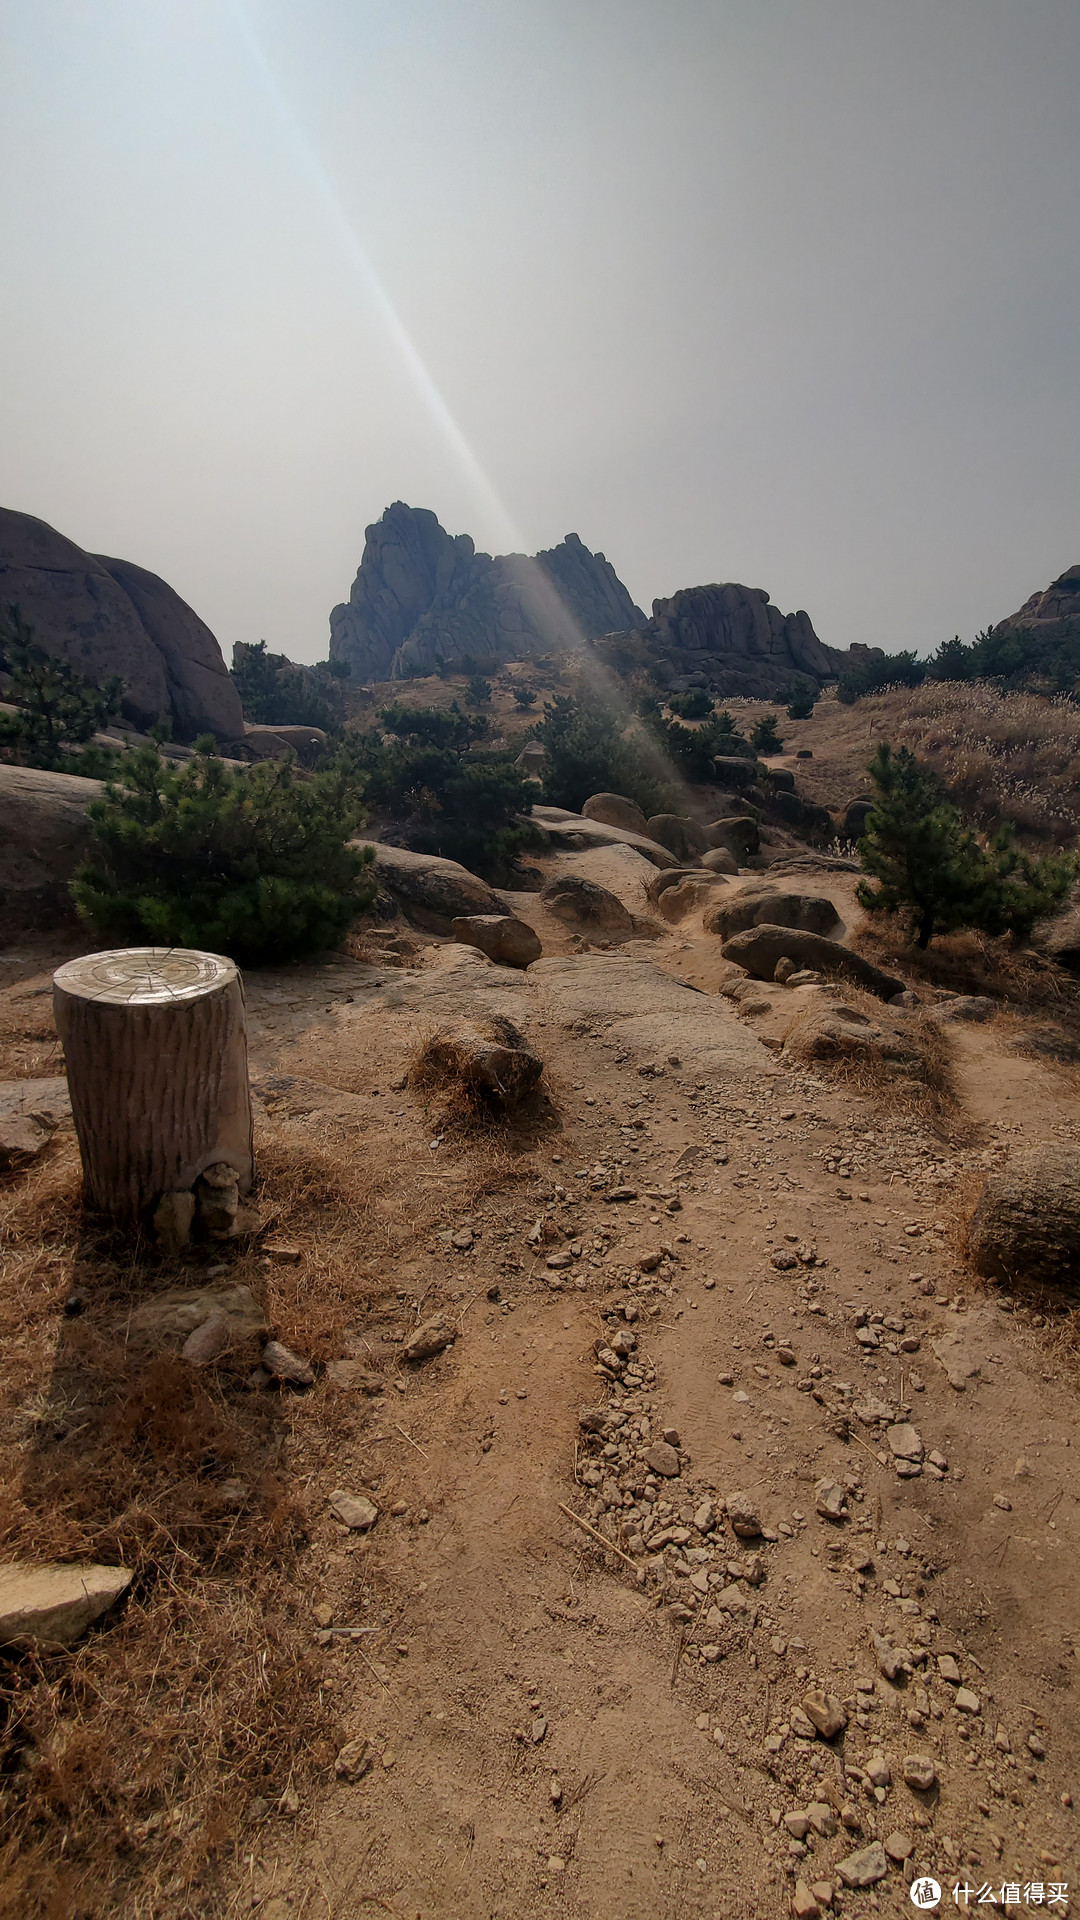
{"x":273,"y":743}
{"x":46,"y":835}
{"x":587,"y":908}
{"x":737,"y":834}
{"x":615,"y":810}
{"x":109,"y":617}
{"x":720,"y":860}
{"x":682,"y":837}
{"x":1026,"y":1225}
{"x":768,"y":906}
{"x":734,"y":772}
{"x":693,"y":893}
{"x":432,"y":893}
{"x":758,"y":949}
{"x":572,"y":830}
{"x":854,"y":822}
{"x":502,"y":936}
{"x":804,"y":815}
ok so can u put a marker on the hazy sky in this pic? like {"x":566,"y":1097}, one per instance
{"x":778,"y":291}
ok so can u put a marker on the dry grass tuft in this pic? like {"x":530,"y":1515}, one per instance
{"x":972,"y":963}
{"x":903,"y":1059}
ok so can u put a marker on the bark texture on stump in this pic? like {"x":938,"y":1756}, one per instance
{"x":155,"y":1045}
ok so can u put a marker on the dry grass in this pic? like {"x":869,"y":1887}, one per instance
{"x":129,"y":1765}
{"x":1011,"y":756}
{"x":911,"y":1070}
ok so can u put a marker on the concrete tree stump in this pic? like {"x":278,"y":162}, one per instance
{"x":155,"y":1045}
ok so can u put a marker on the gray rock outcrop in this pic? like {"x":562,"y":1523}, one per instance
{"x":431,"y":892}
{"x":423,"y":598}
{"x":732,"y":639}
{"x":46,"y":835}
{"x":1059,"y":601}
{"x":758,"y":949}
{"x":109,"y":617}
{"x":768,"y":906}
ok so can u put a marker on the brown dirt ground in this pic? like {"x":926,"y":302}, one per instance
{"x":182,"y":1761}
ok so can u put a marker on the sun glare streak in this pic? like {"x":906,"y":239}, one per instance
{"x":371,"y":287}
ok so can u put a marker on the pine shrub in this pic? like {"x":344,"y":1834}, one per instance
{"x":928,"y":865}
{"x":251,"y":862}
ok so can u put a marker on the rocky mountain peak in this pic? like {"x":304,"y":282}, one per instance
{"x":423,"y":598}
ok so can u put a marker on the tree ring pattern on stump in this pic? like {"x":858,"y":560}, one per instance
{"x":145,"y":976}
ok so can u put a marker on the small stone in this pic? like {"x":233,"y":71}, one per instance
{"x":285,"y":1365}
{"x":823,"y":1892}
{"x":948,"y":1669}
{"x":558,"y":1262}
{"x":433,"y":1337}
{"x":849,"y":1818}
{"x":322,"y":1614}
{"x":803,"y":1904}
{"x":829,"y":1500}
{"x":355,"y":1759}
{"x":173,"y":1218}
{"x":555,"y":1790}
{"x":671,"y":1435}
{"x":801,"y":1726}
{"x":822,"y":1818}
{"x":538,"y":1730}
{"x":938,"y":1460}
{"x":904,"y":1442}
{"x":662,"y":1458}
{"x":797,"y":1825}
{"x":826,"y":1713}
{"x":705,"y":1516}
{"x":52,"y":1604}
{"x":556,"y":1863}
{"x":1035,"y":1746}
{"x":919,"y":1771}
{"x":890,"y":1659}
{"x":878,"y":1771}
{"x":1001,"y":1739}
{"x":966,"y":1701}
{"x":898,"y":1846}
{"x":864,"y":1869}
{"x":289,"y":1803}
{"x":353,"y":1510}
{"x":744,"y":1516}
{"x":1002,"y":1500}
{"x":214,"y":1337}
{"x":281,"y":1253}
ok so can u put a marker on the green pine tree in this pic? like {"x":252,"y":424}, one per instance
{"x":764,"y":737}
{"x":56,"y":709}
{"x":930,"y":866}
{"x":249,"y":862}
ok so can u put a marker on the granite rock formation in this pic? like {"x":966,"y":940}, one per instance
{"x":731,"y":639}
{"x":109,"y":617}
{"x":1059,"y":601}
{"x":424,"y":598}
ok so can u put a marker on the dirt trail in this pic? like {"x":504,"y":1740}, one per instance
{"x":513,"y":1651}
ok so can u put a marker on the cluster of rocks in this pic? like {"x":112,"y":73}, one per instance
{"x":212,"y":1208}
